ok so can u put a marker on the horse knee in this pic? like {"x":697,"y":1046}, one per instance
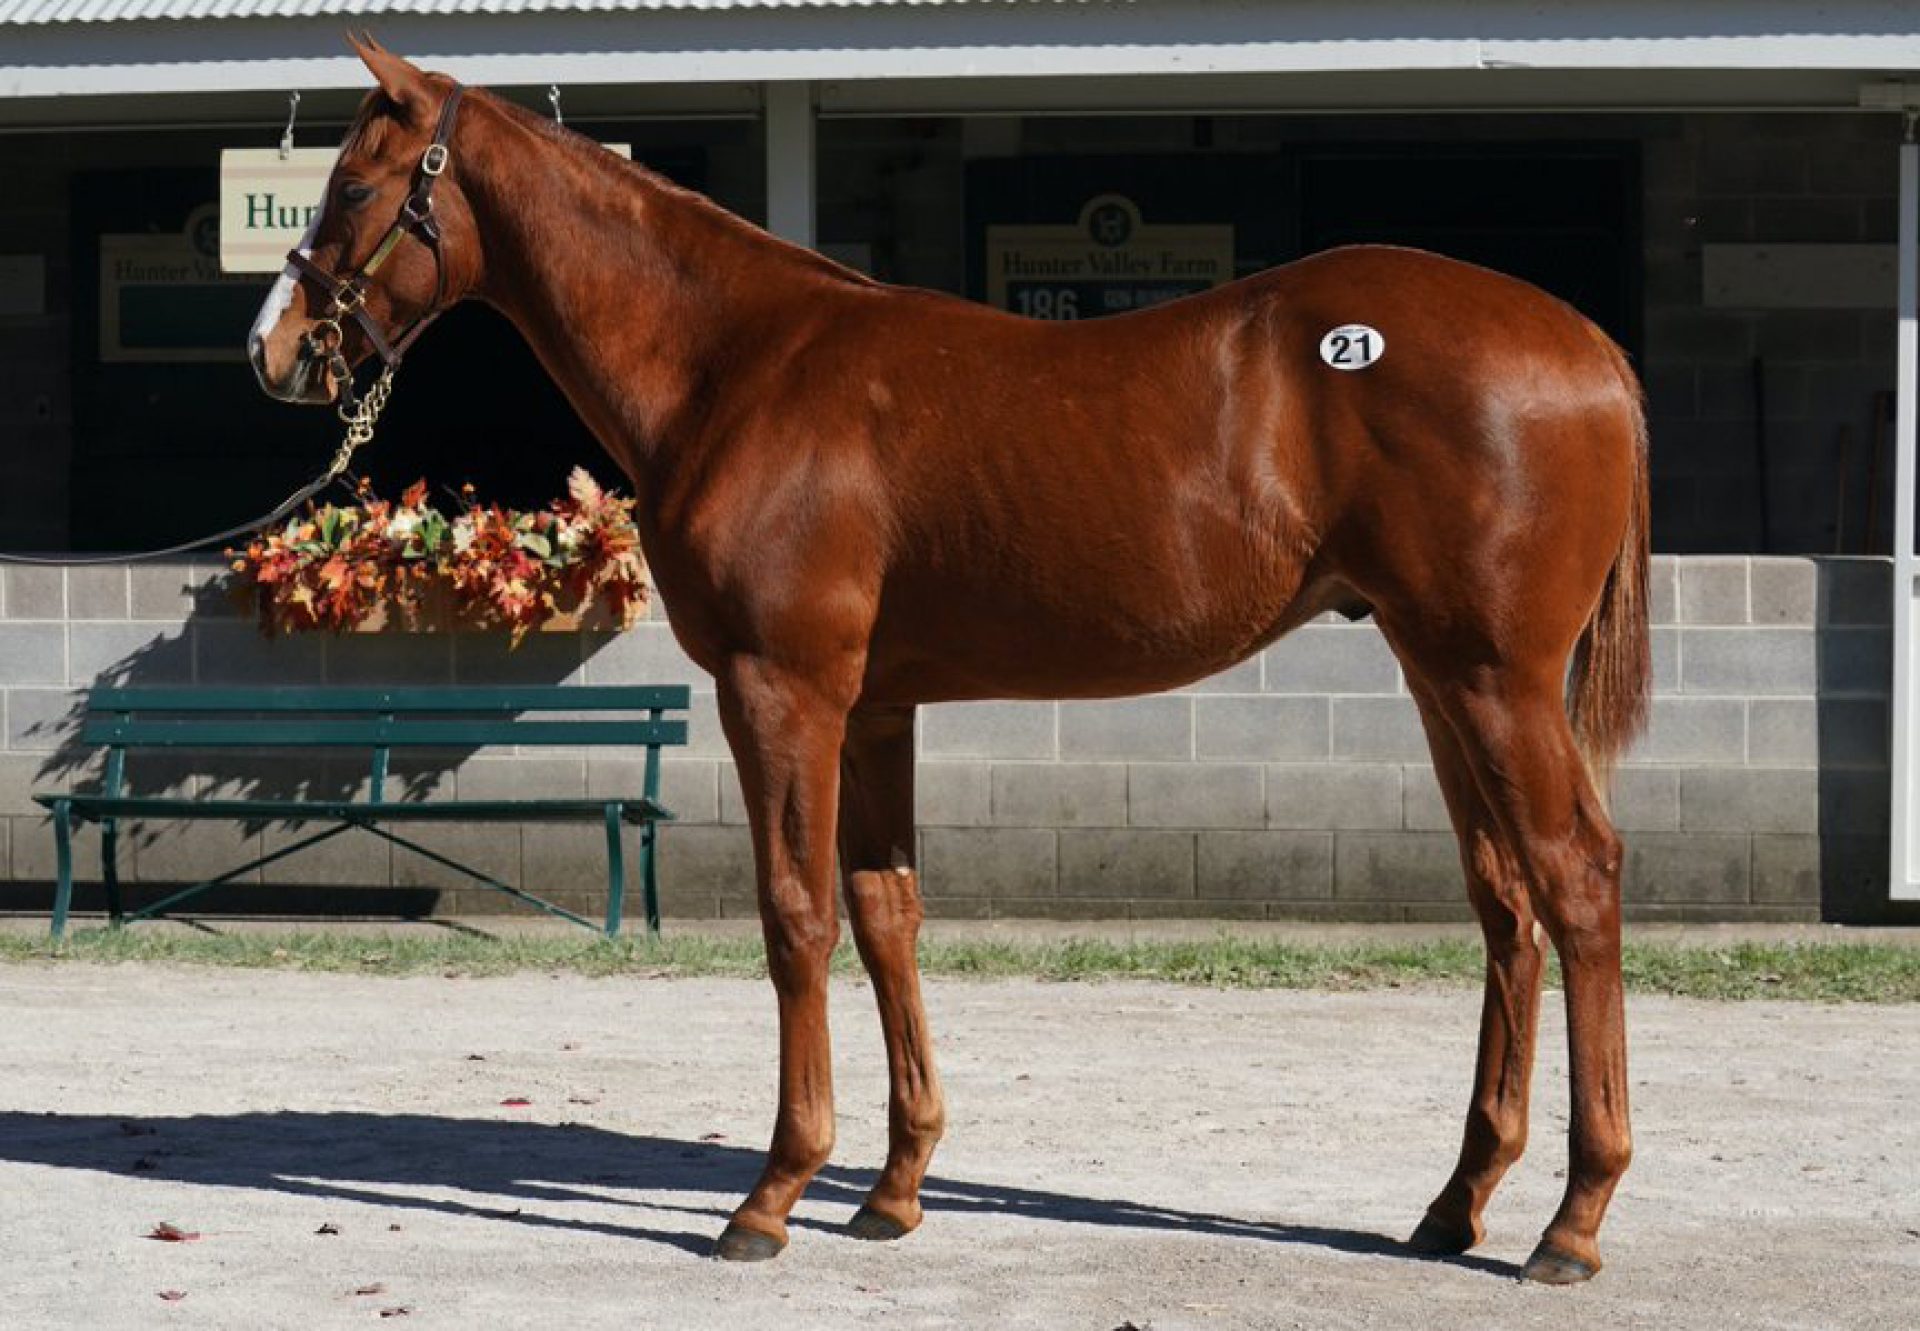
{"x":800,"y":939}
{"x":1504,"y":1135}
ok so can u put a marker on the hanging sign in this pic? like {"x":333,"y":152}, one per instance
{"x":164,"y":296}
{"x":267,"y":198}
{"x":1107,"y":262}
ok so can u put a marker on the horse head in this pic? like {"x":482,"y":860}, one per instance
{"x":391,"y":245}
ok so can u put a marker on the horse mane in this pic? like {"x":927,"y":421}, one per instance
{"x":624,"y":172}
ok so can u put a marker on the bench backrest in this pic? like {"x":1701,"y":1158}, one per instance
{"x":382,"y":719}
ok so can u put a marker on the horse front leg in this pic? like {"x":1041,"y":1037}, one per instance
{"x":883,"y":901}
{"x":785,"y":729}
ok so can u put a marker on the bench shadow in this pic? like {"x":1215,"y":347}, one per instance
{"x":365,"y":1157}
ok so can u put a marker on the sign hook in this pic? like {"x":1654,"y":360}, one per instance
{"x":286,"y":135}
{"x":553,"y":96}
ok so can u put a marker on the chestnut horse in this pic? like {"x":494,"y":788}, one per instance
{"x":857,"y":498}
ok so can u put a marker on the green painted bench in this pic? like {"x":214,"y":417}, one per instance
{"x":382,"y":720}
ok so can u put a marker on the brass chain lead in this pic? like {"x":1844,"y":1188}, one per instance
{"x":360,"y":419}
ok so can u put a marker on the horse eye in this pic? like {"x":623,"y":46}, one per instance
{"x":354,"y":193}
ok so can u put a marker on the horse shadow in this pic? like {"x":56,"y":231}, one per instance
{"x":365,"y":1157}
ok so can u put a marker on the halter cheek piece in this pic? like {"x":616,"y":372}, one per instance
{"x":348,"y":295}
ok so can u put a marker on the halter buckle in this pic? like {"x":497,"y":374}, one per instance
{"x":417,"y":208}
{"x":434,"y":160}
{"x":324,"y":338}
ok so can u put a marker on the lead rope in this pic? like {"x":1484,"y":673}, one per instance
{"x":359,"y":419}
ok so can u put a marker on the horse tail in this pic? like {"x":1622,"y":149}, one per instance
{"x":1610,"y":680}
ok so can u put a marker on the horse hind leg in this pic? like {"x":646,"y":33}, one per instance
{"x":883,"y":905}
{"x":1496,"y":1126}
{"x":1513,"y":731}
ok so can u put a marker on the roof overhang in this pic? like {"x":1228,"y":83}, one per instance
{"x":952,"y":57}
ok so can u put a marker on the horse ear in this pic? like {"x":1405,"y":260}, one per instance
{"x":403,"y":84}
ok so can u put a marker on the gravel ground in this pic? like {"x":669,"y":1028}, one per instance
{"x":1117,"y":1153}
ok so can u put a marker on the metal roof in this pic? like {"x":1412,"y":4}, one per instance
{"x":25,"y":12}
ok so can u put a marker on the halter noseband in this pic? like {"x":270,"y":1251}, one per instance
{"x":348,"y":295}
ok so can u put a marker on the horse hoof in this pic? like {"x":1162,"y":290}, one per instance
{"x":1434,"y":1237}
{"x":738,"y":1244}
{"x":870,"y":1224}
{"x":1552,"y":1266}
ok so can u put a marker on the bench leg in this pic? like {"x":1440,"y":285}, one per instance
{"x":649,"y":885}
{"x":110,"y":868}
{"x":63,"y":862}
{"x":616,"y":873}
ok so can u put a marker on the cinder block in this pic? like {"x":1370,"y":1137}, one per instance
{"x":1851,"y":591}
{"x":1195,"y":795}
{"x":1646,"y":799}
{"x":23,"y":775}
{"x":1332,"y":658}
{"x":31,"y":842}
{"x":1121,"y":728}
{"x":1724,"y":661}
{"x":35,"y":593}
{"x":186,"y":852}
{"x":571,"y":858}
{"x":1663,"y":586}
{"x":522,"y":778}
{"x":1424,"y":808}
{"x":492,"y":848}
{"x":33,"y":654}
{"x":705,"y":738}
{"x":1261,"y":729}
{"x":1697,"y":868}
{"x":716,"y":860}
{"x":1316,"y":796}
{"x":351,"y":859}
{"x":1059,"y":795}
{"x":1241,"y":678}
{"x":1713,"y":590}
{"x":1265,"y":866}
{"x":175,"y":590}
{"x":539,"y":658}
{"x":139,"y":655}
{"x":1665,"y":645}
{"x":952,"y":795}
{"x":1783,"y":591}
{"x":1126,"y":863}
{"x":41,"y":719}
{"x":237,"y":653}
{"x":988,"y":730}
{"x":1786,"y":869}
{"x":1856,"y":661}
{"x":982,"y":862}
{"x":647,"y":653}
{"x":1397,"y":866}
{"x":1378,"y":730}
{"x":97,"y":592}
{"x":1803,"y":732}
{"x":366,"y":659}
{"x":688,"y":786}
{"x":1694,"y":730}
{"x":1749,"y":800}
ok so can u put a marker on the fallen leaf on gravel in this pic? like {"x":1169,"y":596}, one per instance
{"x":328,"y":1228}
{"x":393,"y":1229}
{"x":375,"y":1288}
{"x":401,"y":1311}
{"x":516,"y":1102}
{"x":569,"y":1046}
{"x":583,"y":1099}
{"x":173,"y":1295}
{"x":167,"y":1233}
{"x":476,"y":1058}
{"x":714,"y":1137}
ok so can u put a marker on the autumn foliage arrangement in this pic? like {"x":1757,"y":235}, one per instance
{"x":343,"y":567}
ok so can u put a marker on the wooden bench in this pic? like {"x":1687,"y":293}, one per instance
{"x":382,"y":720}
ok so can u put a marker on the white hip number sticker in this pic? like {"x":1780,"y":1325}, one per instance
{"x":1352,"y":347}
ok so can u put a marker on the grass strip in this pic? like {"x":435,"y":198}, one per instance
{"x":1835,"y":972}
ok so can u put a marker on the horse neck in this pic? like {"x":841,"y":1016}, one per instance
{"x":628,"y":289}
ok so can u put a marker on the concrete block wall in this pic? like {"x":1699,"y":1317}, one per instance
{"x":1295,"y":784}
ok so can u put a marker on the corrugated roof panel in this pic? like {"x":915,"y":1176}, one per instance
{"x":24,"y":12}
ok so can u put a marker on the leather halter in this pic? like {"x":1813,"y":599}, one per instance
{"x":348,"y":295}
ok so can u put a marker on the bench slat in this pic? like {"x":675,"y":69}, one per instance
{"x":288,"y":732}
{"x":434,"y":698}
{"x":102,"y":806}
